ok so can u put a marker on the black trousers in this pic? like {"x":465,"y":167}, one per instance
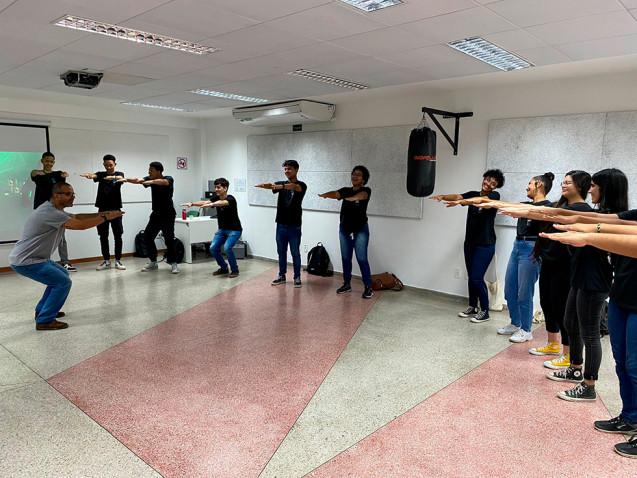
{"x":555,"y":279}
{"x":166,"y":224}
{"x":118,"y":230}
{"x":582,"y":318}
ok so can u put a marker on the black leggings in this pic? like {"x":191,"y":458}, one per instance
{"x":554,"y":286}
{"x":582,"y":318}
{"x":166,"y":224}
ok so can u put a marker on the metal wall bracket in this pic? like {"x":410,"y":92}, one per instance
{"x":447,"y":114}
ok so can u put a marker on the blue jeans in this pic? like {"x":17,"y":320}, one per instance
{"x":228,"y":239}
{"x":289,"y":235}
{"x":58,"y":285}
{"x":622,"y":325}
{"x":519,"y":285}
{"x":356,"y":242}
{"x":477,"y":259}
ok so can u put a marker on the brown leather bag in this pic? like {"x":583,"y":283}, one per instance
{"x":386,"y":281}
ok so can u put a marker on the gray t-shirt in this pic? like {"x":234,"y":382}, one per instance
{"x":41,"y":235}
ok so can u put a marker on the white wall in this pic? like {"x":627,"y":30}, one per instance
{"x":425,"y":253}
{"x":183,"y":139}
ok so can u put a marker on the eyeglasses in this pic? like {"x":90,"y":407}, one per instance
{"x":567,"y":183}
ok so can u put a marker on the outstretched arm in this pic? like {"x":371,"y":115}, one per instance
{"x":267,"y":186}
{"x":86,"y":221}
{"x":330,"y":195}
{"x":88,"y":175}
{"x":447,"y":197}
{"x":622,"y":244}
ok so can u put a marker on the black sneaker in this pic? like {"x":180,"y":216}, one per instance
{"x":297,"y":283}
{"x":220,"y":272}
{"x":615,"y":425}
{"x":627,"y":449}
{"x":368,"y":293}
{"x":569,"y":374}
{"x":278,"y":281}
{"x":468,"y":312}
{"x":69,"y":267}
{"x":344,"y":289}
{"x":580,"y":393}
{"x":480,"y":317}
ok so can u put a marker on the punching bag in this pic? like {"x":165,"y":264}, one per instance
{"x":421,"y":162}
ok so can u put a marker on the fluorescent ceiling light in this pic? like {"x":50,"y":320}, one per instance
{"x":487,"y":52}
{"x":157,"y":107}
{"x":228,"y":96}
{"x":330,"y":80}
{"x":372,"y":5}
{"x":138,"y":36}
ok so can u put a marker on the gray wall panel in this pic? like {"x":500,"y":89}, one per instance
{"x":620,"y":142}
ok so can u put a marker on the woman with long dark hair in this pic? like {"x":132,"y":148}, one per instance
{"x":591,"y":279}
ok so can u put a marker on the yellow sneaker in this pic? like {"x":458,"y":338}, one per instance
{"x":563,"y":361}
{"x":553,"y":348}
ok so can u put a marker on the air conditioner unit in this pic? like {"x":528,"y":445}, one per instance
{"x":284,"y":112}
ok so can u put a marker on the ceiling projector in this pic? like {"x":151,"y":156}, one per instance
{"x":81,"y":79}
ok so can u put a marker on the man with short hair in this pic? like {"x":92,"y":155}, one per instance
{"x":109,"y":198}
{"x":42,"y":233}
{"x":288,"y":220}
{"x":44,"y":180}
{"x":163,"y":216}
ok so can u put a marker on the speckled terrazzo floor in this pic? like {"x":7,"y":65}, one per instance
{"x":194,"y":376}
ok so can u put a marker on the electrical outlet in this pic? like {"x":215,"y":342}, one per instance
{"x":457,"y":273}
{"x":305,"y":249}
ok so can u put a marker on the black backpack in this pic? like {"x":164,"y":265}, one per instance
{"x":318,"y":261}
{"x":180,"y":251}
{"x":140,"y":245}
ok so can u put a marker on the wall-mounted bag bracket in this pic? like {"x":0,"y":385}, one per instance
{"x":447,"y":114}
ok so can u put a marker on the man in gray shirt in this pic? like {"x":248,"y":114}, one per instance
{"x":31,"y":256}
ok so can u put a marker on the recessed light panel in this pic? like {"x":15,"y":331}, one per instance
{"x":372,"y":5}
{"x":156,"y":107}
{"x":137,"y":36}
{"x":487,"y":52}
{"x":228,"y":96}
{"x":330,"y":80}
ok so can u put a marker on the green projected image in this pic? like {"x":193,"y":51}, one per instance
{"x":16,"y":191}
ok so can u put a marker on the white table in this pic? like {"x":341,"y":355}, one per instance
{"x":194,"y":230}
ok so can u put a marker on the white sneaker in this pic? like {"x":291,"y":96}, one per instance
{"x":521,"y":336}
{"x":508,"y":330}
{"x":120,"y":266}
{"x":151,"y":266}
{"x":174,"y":268}
{"x":104,"y":265}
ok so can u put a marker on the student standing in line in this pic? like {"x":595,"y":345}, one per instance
{"x":523,"y":268}
{"x":479,"y":243}
{"x":31,"y":256}
{"x":591,"y":279}
{"x":44,"y":180}
{"x":614,"y":235}
{"x":288,"y":220}
{"x":162,"y":218}
{"x":109,"y":198}
{"x":229,"y":230}
{"x":354,"y":229}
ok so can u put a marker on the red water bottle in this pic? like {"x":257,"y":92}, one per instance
{"x":183,"y":214}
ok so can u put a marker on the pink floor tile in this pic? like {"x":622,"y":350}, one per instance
{"x":213,"y":391}
{"x":501,"y":420}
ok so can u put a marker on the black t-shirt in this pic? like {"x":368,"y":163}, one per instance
{"x":527,"y":227}
{"x":480,"y":222}
{"x":590,"y":268}
{"x":44,"y":186}
{"x":556,"y":251}
{"x":353,"y":213}
{"x":228,"y":216}
{"x":162,"y":197}
{"x":109,"y":191}
{"x":288,"y":206}
{"x":624,"y":290}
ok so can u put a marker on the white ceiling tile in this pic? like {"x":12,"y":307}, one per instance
{"x":413,"y":10}
{"x":313,"y":55}
{"x":633,"y":13}
{"x":196,"y":18}
{"x":184,"y":82}
{"x":17,"y":52}
{"x":537,"y":12}
{"x":266,"y":10}
{"x":454,"y":26}
{"x":629,"y":3}
{"x":465,"y":67}
{"x":423,"y":57}
{"x":125,"y":93}
{"x":326,"y":22}
{"x":172,"y":99}
{"x":543,"y":56}
{"x":359,"y":70}
{"x":515,"y":40}
{"x":256,"y":41}
{"x":66,"y":60}
{"x":587,"y":28}
{"x":113,"y":48}
{"x":168,"y":63}
{"x":616,"y":46}
{"x":383,"y":41}
{"x":31,"y":77}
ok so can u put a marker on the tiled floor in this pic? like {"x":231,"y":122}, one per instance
{"x":191,"y":375}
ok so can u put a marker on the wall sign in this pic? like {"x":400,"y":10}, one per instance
{"x":182,"y":163}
